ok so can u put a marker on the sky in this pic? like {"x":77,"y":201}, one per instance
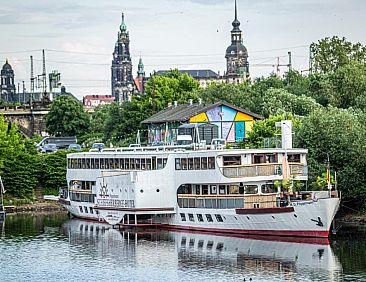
{"x":79,"y":36}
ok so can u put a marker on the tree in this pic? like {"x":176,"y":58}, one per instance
{"x":331,"y":53}
{"x":18,"y":161}
{"x":279,"y":101}
{"x":123,"y":121}
{"x":67,"y":117}
{"x":340,"y":134}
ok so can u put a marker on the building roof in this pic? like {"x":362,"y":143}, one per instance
{"x":182,"y":113}
{"x":194,"y":73}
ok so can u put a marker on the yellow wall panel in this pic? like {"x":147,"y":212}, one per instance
{"x":202,"y":117}
{"x":243,"y":117}
{"x":248,"y":127}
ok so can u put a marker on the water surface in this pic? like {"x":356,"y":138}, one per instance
{"x":54,"y":248}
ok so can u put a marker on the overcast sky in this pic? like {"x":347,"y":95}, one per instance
{"x":79,"y":36}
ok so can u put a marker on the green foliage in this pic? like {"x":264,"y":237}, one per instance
{"x":18,"y":161}
{"x":54,"y":171}
{"x":340,"y":134}
{"x":67,"y":118}
{"x":267,"y":129}
{"x":331,"y":53}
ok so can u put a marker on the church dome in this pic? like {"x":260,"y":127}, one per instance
{"x":236,"y":49}
{"x":7,"y":66}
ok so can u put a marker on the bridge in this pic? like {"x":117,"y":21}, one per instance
{"x":29,"y":121}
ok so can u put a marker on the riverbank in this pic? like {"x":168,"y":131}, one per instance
{"x":44,"y":206}
{"x":356,"y":217}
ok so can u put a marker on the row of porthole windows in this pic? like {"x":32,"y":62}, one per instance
{"x":86,"y":210}
{"x":200,"y":217}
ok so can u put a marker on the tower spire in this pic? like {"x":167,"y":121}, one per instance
{"x":236,"y":22}
{"x":123,"y":26}
{"x":236,"y":13}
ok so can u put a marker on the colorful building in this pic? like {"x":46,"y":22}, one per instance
{"x":233,"y":122}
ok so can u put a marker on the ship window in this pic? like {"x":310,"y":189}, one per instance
{"x":101,"y":163}
{"x":218,"y":218}
{"x":97,"y":166}
{"x":211,"y":163}
{"x":183,"y":162}
{"x":116,"y":163}
{"x":209,"y":245}
{"x":86,"y":209}
{"x":183,"y":216}
{"x":122,"y":163}
{"x":199,"y":217}
{"x":209,"y":218}
{"x":231,"y":160}
{"x":268,"y":188}
{"x":256,"y":205}
{"x":204,"y":189}
{"x":204,"y":163}
{"x":190,"y":216}
{"x":164,"y":162}
{"x":92,"y":163}
{"x":190,"y":163}
{"x":197,"y":163}
{"x":143,"y":164}
{"x":127,"y":163}
{"x":198,"y":190}
{"x":153,"y":163}
{"x":148,"y":164}
{"x":250,"y":189}
{"x":293,"y":158}
{"x":177,"y":164}
{"x":81,"y":208}
{"x":159,"y":163}
{"x":91,"y":210}
{"x":213,"y":189}
{"x":79,"y":163}
{"x":222,"y":190}
{"x":132,"y":163}
{"x":234,"y":189}
{"x":137,"y":162}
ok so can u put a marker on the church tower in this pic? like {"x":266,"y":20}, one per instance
{"x":123,"y":86}
{"x":140,"y":78}
{"x":237,"y":65}
{"x":7,"y":86}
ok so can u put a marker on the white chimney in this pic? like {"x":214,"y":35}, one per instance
{"x":286,"y":133}
{"x":200,"y":101}
{"x":175,"y":103}
{"x":190,"y":101}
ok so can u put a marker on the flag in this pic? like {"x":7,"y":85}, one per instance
{"x":328,"y":175}
{"x":2,"y":186}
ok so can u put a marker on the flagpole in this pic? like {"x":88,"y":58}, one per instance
{"x":328,"y":175}
{"x":2,"y":193}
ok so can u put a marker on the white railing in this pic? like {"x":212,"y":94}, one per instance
{"x":262,"y":170}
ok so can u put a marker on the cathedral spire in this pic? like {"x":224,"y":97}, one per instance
{"x":123,"y":26}
{"x":236,"y":22}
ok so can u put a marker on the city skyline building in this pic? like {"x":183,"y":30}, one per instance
{"x":7,"y":86}
{"x":123,"y":85}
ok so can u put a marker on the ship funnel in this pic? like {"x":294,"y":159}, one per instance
{"x":286,"y":133}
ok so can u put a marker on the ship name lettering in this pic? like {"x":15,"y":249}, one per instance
{"x":116,"y":203}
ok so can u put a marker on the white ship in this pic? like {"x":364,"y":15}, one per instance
{"x":217,"y":190}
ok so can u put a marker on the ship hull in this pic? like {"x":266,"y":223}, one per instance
{"x":300,"y":219}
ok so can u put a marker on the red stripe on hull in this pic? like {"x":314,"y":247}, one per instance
{"x":297,"y":233}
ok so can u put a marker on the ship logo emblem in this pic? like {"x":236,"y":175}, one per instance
{"x":103,"y":190}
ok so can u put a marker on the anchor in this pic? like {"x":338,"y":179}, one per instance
{"x":318,"y":221}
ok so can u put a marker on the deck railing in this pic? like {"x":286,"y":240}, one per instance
{"x":263,"y":170}
{"x":252,"y":170}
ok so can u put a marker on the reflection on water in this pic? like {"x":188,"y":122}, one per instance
{"x":57,"y":249}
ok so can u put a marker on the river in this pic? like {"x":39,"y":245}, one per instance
{"x":51,"y":247}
